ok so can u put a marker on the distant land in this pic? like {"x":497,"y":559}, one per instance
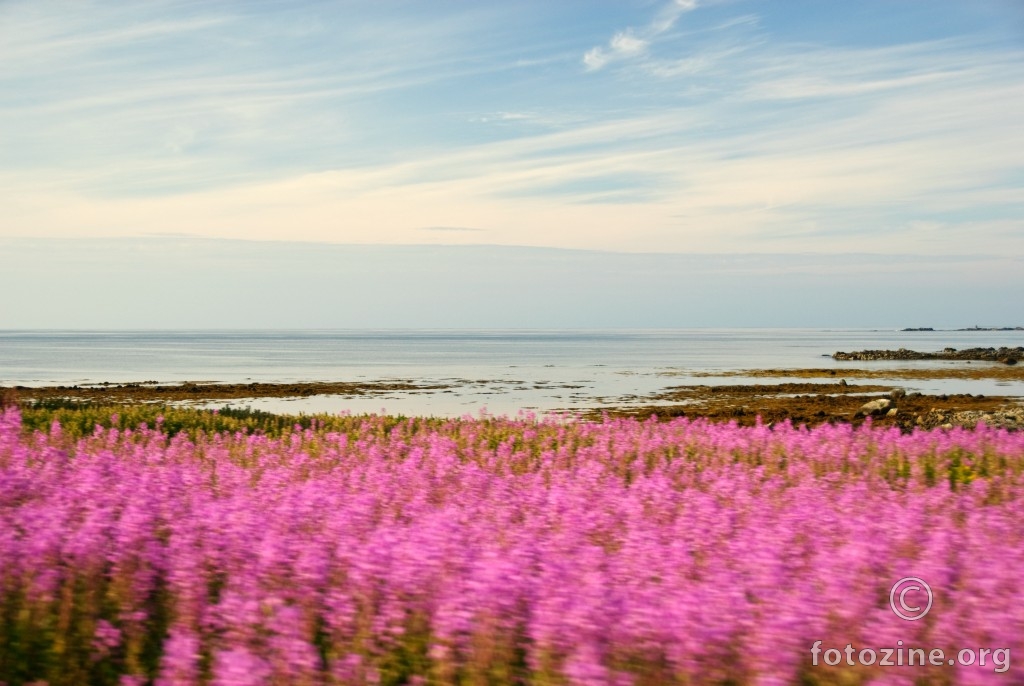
{"x":972,"y":328}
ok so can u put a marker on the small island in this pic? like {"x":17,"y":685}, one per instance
{"x":993,"y":328}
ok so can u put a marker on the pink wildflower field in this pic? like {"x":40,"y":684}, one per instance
{"x":504,"y":551}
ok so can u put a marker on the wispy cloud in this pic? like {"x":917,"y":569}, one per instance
{"x":505,"y":117}
{"x":455,"y":229}
{"x":718,"y":137}
{"x":632,"y":42}
{"x":173,"y":94}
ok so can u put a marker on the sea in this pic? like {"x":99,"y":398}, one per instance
{"x":470,"y":372}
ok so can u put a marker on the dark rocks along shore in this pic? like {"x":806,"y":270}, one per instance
{"x":1004,"y":355}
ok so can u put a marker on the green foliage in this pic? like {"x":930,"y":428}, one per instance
{"x":79,"y":419}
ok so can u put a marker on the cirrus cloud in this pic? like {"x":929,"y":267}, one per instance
{"x":631,"y":42}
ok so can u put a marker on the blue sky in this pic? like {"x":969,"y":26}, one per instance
{"x":681,"y":126}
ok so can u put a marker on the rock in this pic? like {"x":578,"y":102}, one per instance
{"x":842,"y":382}
{"x":978,"y":354}
{"x":892,"y":412}
{"x":947,"y":426}
{"x":874,"y":407}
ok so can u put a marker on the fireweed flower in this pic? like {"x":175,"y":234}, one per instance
{"x":500,"y":550}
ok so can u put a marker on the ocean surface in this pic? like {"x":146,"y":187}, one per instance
{"x":499,"y":371}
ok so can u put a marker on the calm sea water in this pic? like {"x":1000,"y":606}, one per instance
{"x":503,"y":371}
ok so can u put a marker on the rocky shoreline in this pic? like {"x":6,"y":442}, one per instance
{"x":811,"y":403}
{"x":201,"y":391}
{"x":970,"y":328}
{"x":818,"y":403}
{"x":1007,"y":417}
{"x":995,"y":372}
{"x":1004,"y":355}
{"x":968,"y":419}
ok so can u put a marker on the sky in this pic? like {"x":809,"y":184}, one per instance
{"x":829,"y":148}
